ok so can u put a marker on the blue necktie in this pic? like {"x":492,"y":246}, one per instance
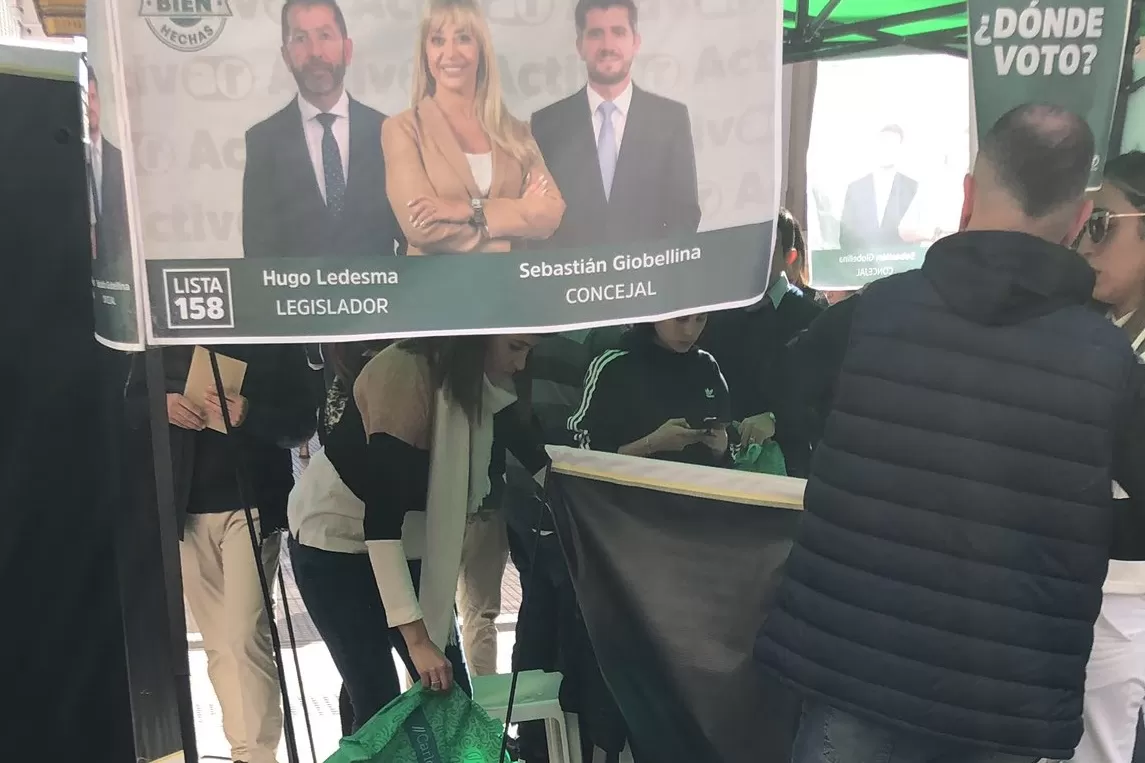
{"x":606,"y":146}
{"x":332,"y":166}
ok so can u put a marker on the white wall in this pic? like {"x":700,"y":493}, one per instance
{"x":9,"y":19}
{"x":29,"y":20}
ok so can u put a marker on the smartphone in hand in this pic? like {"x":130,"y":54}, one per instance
{"x":707,"y":424}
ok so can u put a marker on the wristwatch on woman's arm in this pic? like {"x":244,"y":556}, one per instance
{"x":477,"y":218}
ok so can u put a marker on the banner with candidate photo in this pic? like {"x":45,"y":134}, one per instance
{"x":675,"y":568}
{"x":1056,"y":51}
{"x":1133,"y":126}
{"x":115,"y":276}
{"x":884,"y":172}
{"x":337,"y":169}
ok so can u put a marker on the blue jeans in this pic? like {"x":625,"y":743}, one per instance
{"x":829,"y":735}
{"x":343,"y":601}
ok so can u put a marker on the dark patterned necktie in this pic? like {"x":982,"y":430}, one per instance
{"x":332,"y":166}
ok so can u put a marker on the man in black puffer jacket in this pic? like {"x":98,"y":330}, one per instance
{"x":939,"y":603}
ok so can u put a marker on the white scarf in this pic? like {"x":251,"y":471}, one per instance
{"x":459,"y":458}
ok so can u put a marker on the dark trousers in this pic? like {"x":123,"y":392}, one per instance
{"x":343,"y":601}
{"x":538,"y":634}
{"x":550,"y":636}
{"x":537,"y":642}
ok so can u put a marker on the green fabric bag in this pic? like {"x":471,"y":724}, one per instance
{"x":425,"y":727}
{"x":762,"y":459}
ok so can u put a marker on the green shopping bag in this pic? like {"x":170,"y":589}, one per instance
{"x":766,"y":458}
{"x":425,"y":727}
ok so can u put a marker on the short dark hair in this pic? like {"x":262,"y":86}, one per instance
{"x":894,"y":130}
{"x":1126,"y":173}
{"x":339,"y":18}
{"x":1041,"y":155}
{"x":584,"y":6}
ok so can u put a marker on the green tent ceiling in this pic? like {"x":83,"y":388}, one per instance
{"x":816,"y":29}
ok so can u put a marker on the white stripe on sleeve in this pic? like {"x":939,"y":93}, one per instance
{"x":590,"y":380}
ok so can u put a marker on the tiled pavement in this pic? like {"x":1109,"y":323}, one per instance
{"x":319,"y":677}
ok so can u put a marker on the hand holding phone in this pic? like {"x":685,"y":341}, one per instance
{"x":674,"y":435}
{"x":716,"y":439}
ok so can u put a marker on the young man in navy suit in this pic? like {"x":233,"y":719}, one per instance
{"x":315,"y":179}
{"x":622,"y":157}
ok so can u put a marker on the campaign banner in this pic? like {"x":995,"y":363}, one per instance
{"x":312,"y":169}
{"x":884,"y":172}
{"x":116,"y":277}
{"x":836,"y":269}
{"x":1066,"y":53}
{"x":675,"y":568}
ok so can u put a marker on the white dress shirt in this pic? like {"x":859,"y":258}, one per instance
{"x":623,"y":103}
{"x":313,"y":130}
{"x":97,"y":169}
{"x":481,"y":166}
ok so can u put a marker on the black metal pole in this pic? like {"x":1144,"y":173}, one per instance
{"x":526,"y":590}
{"x":169,"y":546}
{"x":245,"y":498}
{"x":821,"y":19}
{"x":802,"y":18}
{"x":899,"y":19}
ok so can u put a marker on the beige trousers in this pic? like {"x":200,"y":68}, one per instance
{"x":222,"y":588}
{"x":483,"y":557}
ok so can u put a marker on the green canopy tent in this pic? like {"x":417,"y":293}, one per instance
{"x":824,"y":29}
{"x":818,"y":29}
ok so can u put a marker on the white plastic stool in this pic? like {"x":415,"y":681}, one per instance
{"x":537,"y":699}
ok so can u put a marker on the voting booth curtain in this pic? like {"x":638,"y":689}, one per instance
{"x":675,"y":568}
{"x":70,"y":681}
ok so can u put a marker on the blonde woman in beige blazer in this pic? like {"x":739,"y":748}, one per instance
{"x":462,"y":174}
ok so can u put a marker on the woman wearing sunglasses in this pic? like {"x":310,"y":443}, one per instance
{"x":1113,"y":242}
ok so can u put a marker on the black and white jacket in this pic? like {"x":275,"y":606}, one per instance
{"x":629,"y":392}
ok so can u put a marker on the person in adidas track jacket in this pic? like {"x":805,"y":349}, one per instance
{"x":639,"y":399}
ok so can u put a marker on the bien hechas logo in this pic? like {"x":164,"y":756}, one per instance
{"x":186,"y":25}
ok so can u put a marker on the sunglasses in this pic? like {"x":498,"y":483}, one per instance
{"x":1100,"y":224}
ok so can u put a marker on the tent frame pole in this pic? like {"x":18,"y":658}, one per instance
{"x":810,"y":39}
{"x":1128,"y":85}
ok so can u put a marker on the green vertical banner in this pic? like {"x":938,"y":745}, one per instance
{"x":1067,"y":54}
